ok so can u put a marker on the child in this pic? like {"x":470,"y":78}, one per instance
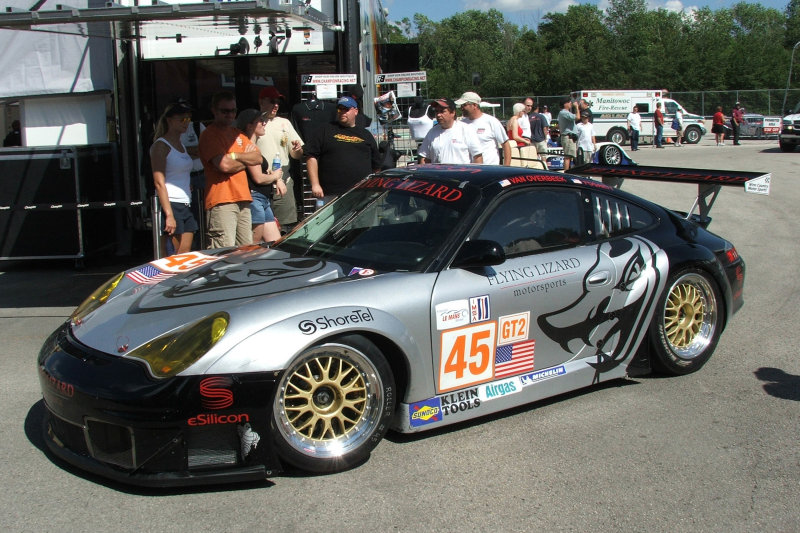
{"x":586,"y":138}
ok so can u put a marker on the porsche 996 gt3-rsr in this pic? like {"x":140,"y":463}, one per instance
{"x":425,"y":296}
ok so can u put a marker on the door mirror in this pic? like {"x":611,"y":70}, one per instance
{"x":479,"y":253}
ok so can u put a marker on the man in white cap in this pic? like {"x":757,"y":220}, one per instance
{"x":490,"y":131}
{"x":450,"y":141}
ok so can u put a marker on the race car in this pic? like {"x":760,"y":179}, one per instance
{"x":425,"y":296}
{"x":607,"y":153}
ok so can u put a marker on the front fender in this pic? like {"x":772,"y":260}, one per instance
{"x":273,"y":348}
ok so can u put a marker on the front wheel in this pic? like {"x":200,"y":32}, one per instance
{"x":786,"y":147}
{"x":692,"y":135}
{"x":687,"y":324}
{"x":333,"y":405}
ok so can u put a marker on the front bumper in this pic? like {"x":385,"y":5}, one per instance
{"x":108,"y":416}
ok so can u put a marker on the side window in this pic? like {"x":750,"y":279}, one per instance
{"x":613,"y":216}
{"x":670,"y":107}
{"x":644,"y":107}
{"x":535,"y":219}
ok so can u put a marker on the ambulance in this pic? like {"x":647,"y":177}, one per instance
{"x":610,"y":110}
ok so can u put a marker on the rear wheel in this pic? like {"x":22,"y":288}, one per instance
{"x":617,"y":135}
{"x":610,"y":155}
{"x":687,"y":324}
{"x":333,"y":405}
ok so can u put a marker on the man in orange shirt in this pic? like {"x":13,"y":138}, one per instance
{"x":226,"y":152}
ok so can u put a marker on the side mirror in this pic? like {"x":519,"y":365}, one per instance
{"x":479,"y":253}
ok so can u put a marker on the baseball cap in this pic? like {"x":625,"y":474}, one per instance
{"x":269,"y":92}
{"x":468,"y":98}
{"x":347,"y":101}
{"x":246,"y":116}
{"x":445,"y":102}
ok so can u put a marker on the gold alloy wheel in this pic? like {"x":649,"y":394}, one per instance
{"x":325,"y":398}
{"x":690,"y":316}
{"x":329,"y":401}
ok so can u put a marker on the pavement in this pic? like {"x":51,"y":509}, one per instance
{"x":713,"y":451}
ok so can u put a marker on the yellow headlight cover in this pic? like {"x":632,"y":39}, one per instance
{"x":176,"y":351}
{"x":96,"y":299}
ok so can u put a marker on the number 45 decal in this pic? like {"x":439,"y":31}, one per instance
{"x":467,"y":356}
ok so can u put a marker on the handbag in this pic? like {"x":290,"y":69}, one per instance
{"x":675,"y":124}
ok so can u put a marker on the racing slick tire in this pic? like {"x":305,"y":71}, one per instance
{"x":333,"y":405}
{"x":692,"y":135}
{"x":617,"y":135}
{"x":610,"y":155}
{"x":687,"y":324}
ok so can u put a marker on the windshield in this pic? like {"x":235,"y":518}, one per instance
{"x":384,"y":225}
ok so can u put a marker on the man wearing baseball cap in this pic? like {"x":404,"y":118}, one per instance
{"x":450,"y":140}
{"x":282,"y":140}
{"x":340,"y":154}
{"x":490,"y":131}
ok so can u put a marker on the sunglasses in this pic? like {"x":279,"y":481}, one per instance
{"x":227,"y":111}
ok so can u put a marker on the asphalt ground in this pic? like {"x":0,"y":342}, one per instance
{"x":713,"y":451}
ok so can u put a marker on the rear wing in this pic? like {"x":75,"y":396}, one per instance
{"x":709,"y":182}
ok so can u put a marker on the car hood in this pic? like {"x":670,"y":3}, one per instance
{"x":793,"y":117}
{"x":235,"y":283}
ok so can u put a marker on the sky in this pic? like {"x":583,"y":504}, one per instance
{"x":530,"y":12}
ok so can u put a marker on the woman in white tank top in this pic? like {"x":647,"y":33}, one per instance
{"x":172,"y":166}
{"x":419,"y":126}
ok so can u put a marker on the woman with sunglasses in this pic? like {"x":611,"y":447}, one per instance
{"x":172,"y":166}
{"x":266,"y":227}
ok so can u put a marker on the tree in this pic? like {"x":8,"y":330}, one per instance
{"x":627,"y":46}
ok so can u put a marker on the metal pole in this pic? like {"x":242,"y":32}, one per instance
{"x":789,"y":79}
{"x":155,"y":207}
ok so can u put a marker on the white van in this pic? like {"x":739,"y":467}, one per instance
{"x":610,"y":112}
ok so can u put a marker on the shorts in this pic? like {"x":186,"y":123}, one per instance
{"x":184,"y":219}
{"x":260,"y":208}
{"x":541,"y":147}
{"x":717,"y":128}
{"x":570,"y":146}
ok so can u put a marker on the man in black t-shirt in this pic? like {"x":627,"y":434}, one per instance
{"x":340,"y":154}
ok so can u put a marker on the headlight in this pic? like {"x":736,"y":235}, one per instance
{"x":176,"y":351}
{"x":96,"y":299}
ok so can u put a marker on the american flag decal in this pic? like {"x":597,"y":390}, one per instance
{"x":148,"y":275}
{"x":514,"y":359}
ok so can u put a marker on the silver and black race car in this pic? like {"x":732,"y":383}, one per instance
{"x":425,"y":296}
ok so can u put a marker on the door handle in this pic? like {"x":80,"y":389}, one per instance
{"x":598,"y":278}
